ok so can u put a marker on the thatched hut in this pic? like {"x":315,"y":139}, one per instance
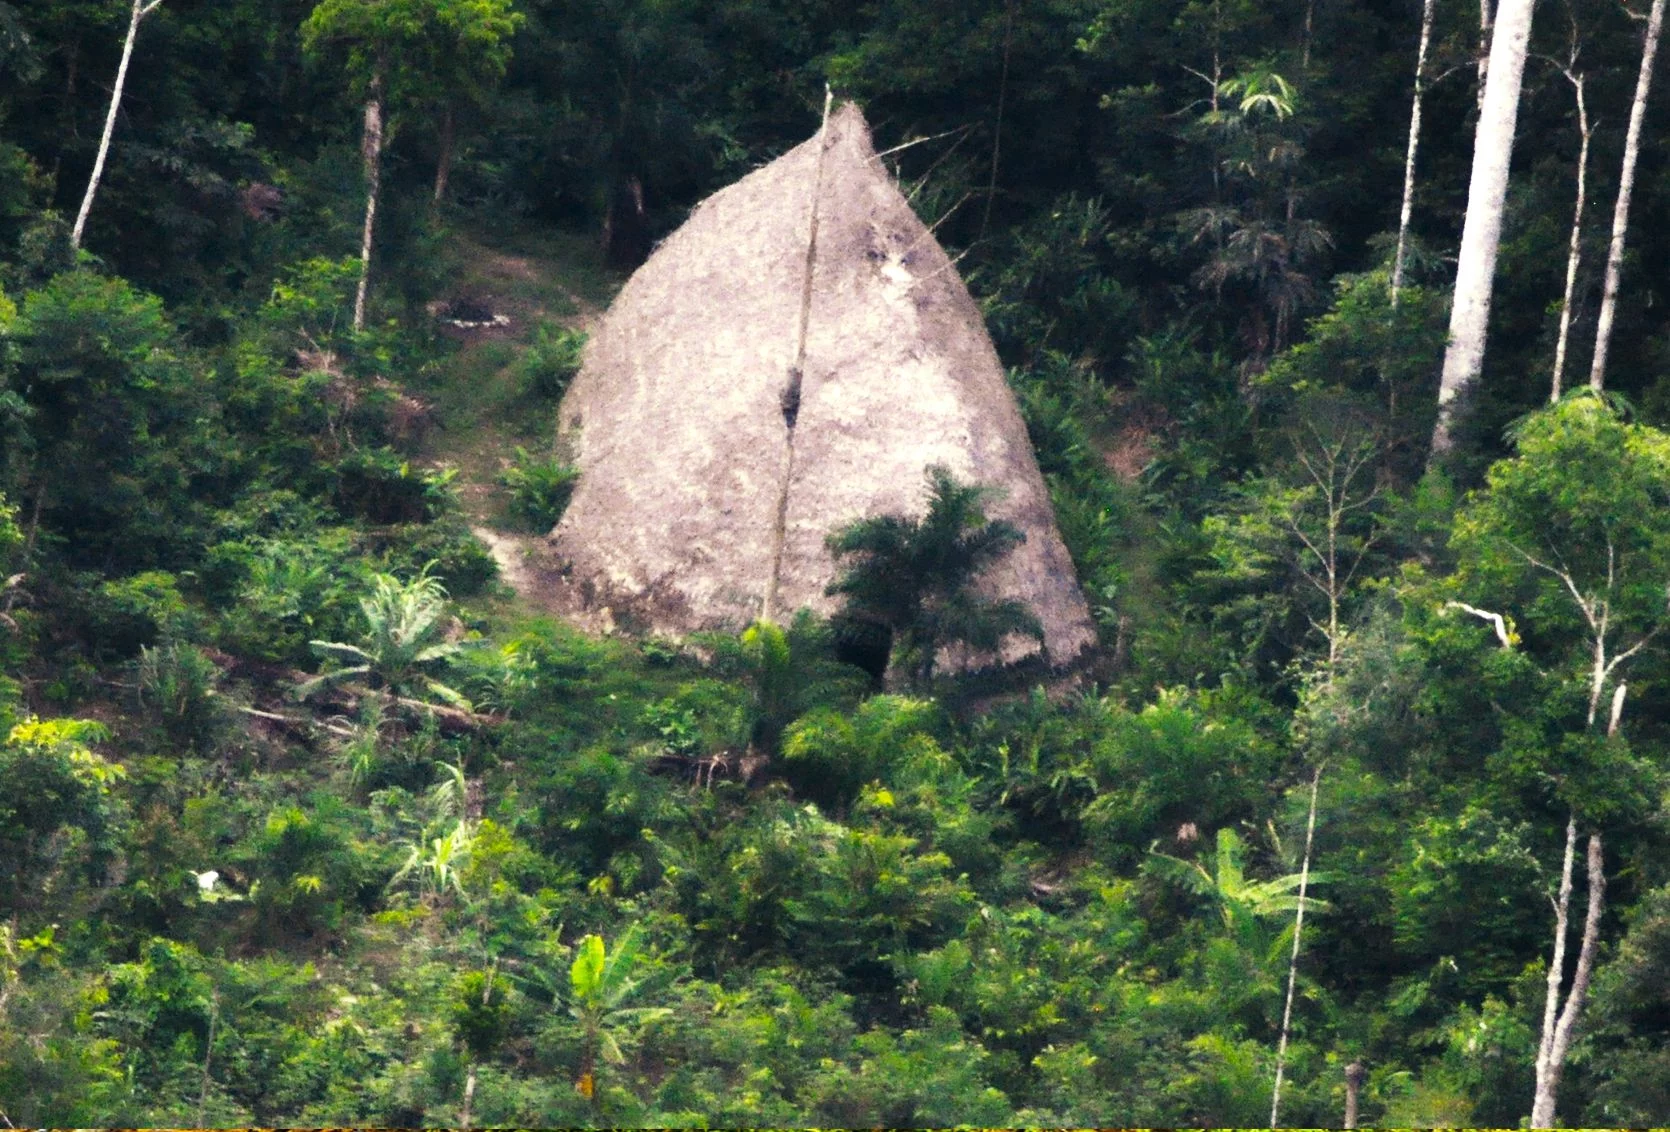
{"x":792,"y":358}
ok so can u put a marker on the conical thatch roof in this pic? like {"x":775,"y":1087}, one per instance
{"x":791,"y":359}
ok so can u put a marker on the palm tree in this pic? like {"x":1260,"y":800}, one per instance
{"x":403,"y":639}
{"x":915,"y":577}
{"x":787,"y":669}
{"x":1259,"y":244}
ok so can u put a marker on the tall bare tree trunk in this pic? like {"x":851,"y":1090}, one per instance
{"x":443,"y":163}
{"x":464,"y":1116}
{"x":1355,"y":1075}
{"x":208,"y":1058}
{"x":28,"y":559}
{"x":1293,"y":961}
{"x":1408,"y":209}
{"x":371,"y":150}
{"x":1481,"y":233}
{"x":1626,"y":186}
{"x":1557,"y":964}
{"x":1557,"y":1033}
{"x":1310,"y":35}
{"x":1574,"y":253}
{"x":137,"y":13}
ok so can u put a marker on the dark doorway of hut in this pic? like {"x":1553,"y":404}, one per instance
{"x":865,"y":645}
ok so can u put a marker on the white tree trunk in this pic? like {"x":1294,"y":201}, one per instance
{"x":1557,"y":964}
{"x":1293,"y":960}
{"x":1626,"y":186}
{"x":1487,"y":192}
{"x":371,"y":149}
{"x":1574,"y":253}
{"x":1355,"y":1074}
{"x":1408,"y":208}
{"x":1556,"y":1041}
{"x":140,"y":10}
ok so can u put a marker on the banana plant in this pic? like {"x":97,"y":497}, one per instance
{"x":601,"y":982}
{"x":1242,"y":903}
{"x":437,"y":867}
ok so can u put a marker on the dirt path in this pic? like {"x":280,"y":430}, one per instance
{"x":521,"y":560}
{"x":486,"y":416}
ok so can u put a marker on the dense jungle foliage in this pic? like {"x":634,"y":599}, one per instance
{"x":306,"y":817}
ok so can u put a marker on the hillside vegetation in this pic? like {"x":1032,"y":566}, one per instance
{"x":311,"y":813}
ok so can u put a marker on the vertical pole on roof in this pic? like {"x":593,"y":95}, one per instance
{"x":791,"y":392}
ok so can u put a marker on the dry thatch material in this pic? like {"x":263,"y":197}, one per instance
{"x":791,"y":359}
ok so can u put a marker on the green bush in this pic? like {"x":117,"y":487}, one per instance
{"x":550,"y":362}
{"x":700,"y":717}
{"x":126,"y":614}
{"x":539,"y":489}
{"x":57,"y":815}
{"x":452,"y":553}
{"x":380,"y":485}
{"x":177,"y":689}
{"x":307,"y":869}
{"x":285,"y":592}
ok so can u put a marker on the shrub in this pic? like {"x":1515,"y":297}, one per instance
{"x":177,"y":688}
{"x":56,"y":812}
{"x":404,"y":638}
{"x":916,"y":576}
{"x":287,"y":591}
{"x":380,"y":485}
{"x":450,"y":551}
{"x":539,"y":489}
{"x":126,"y":614}
{"x":550,"y":363}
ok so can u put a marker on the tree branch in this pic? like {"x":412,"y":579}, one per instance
{"x":1632,"y":650}
{"x":1495,"y":619}
{"x":1583,"y":603}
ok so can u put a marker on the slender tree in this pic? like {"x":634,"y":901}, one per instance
{"x":1404,"y":214}
{"x":1315,"y":525}
{"x":136,"y":14}
{"x":407,"y":49}
{"x":1574,"y":528}
{"x":466,"y":53}
{"x":1293,"y":960}
{"x":1574,"y":252}
{"x":371,"y":33}
{"x":997,"y":128}
{"x":1626,"y":187}
{"x":1558,"y":1021}
{"x":371,"y":156}
{"x":1481,"y":233}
